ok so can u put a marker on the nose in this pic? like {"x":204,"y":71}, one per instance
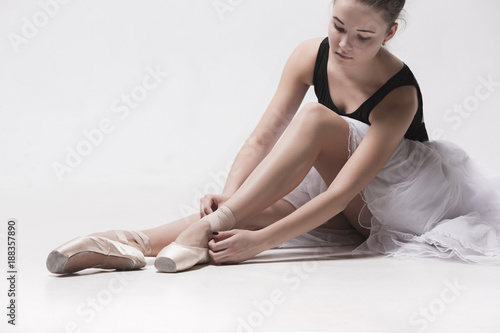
{"x":345,"y":44}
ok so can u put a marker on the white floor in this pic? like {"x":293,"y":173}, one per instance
{"x":280,"y":290}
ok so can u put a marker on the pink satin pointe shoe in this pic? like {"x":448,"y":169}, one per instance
{"x":175,"y":257}
{"x":98,"y":251}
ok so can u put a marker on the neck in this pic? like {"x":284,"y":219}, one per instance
{"x":365,"y":71}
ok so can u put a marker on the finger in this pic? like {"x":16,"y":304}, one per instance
{"x":214,"y":256}
{"x":214,"y":205}
{"x":217,"y":246}
{"x":211,"y":243}
{"x":205,"y":205}
{"x":218,"y":257}
{"x":221,"y":241}
{"x":222,"y":235}
{"x":222,"y":258}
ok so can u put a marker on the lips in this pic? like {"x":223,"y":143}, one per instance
{"x":343,"y":56}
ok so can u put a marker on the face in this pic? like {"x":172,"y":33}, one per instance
{"x":356,"y":32}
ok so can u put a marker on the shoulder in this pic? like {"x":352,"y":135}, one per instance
{"x":388,"y":60}
{"x":402,"y":101}
{"x":399,"y":106}
{"x":392,"y":117}
{"x":303,"y":59}
{"x":310,"y":46}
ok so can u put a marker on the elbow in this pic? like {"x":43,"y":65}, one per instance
{"x":342,"y":204}
{"x":341,"y":199}
{"x":264,"y":141}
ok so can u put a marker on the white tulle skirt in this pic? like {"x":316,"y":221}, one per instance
{"x":429,"y":200}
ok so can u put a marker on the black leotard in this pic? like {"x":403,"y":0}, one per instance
{"x":404,"y":77}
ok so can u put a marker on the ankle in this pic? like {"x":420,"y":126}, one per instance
{"x":196,"y":235}
{"x":136,"y":239}
{"x":221,"y":220}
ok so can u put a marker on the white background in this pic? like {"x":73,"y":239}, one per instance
{"x":222,"y":75}
{"x":223,"y":71}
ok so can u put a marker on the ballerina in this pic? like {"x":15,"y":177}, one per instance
{"x":359,"y":160}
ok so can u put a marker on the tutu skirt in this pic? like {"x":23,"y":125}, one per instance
{"x":429,"y":200}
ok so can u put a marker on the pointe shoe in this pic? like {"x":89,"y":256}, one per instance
{"x":94,"y":252}
{"x":136,"y":239}
{"x":176,"y":257}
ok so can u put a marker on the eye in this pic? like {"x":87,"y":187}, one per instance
{"x":339,"y":29}
{"x":363,"y":39}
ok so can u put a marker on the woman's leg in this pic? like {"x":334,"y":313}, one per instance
{"x":316,"y":137}
{"x":125,"y":250}
{"x":161,"y":236}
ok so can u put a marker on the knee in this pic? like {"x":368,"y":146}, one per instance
{"x":315,"y":116}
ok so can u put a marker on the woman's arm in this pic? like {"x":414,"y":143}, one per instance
{"x":295,"y":80}
{"x":294,"y":83}
{"x":389,"y":122}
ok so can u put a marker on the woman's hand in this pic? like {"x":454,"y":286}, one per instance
{"x":234,"y":246}
{"x":210,"y":202}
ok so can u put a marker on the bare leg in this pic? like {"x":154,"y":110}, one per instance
{"x":316,"y":137}
{"x":163,"y":235}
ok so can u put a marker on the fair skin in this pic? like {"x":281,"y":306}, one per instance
{"x":358,"y":65}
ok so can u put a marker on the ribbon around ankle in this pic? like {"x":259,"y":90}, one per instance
{"x":220,"y":220}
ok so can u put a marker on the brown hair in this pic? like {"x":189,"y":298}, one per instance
{"x":390,"y":9}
